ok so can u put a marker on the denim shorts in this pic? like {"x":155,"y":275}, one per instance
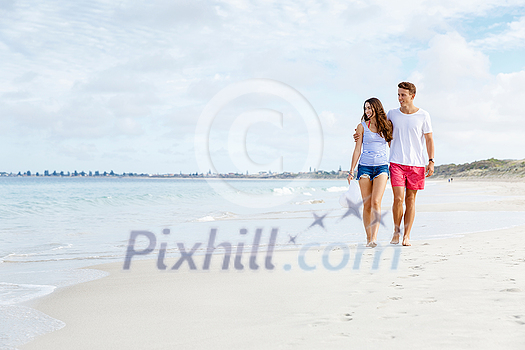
{"x":371,"y":171}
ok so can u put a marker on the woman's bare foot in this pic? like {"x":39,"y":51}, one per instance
{"x":372,"y":244}
{"x":406,"y":243}
{"x":395,"y":238}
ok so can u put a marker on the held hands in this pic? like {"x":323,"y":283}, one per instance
{"x":429,"y":169}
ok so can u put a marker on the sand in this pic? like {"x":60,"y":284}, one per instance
{"x":457,"y":293}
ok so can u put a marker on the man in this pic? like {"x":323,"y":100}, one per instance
{"x":408,"y":164}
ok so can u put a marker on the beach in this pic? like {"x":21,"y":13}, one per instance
{"x":465,"y":291}
{"x":193,"y":174}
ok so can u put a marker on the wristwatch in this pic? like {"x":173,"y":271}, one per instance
{"x":431,"y":160}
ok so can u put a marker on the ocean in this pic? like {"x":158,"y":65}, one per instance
{"x":50,"y":227}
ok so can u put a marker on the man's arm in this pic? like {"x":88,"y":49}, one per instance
{"x":356,"y":136}
{"x":430,"y":150}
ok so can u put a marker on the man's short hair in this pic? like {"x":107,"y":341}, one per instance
{"x":407,"y":86}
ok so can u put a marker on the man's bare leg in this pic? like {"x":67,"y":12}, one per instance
{"x":410,"y":214}
{"x":397,"y":211}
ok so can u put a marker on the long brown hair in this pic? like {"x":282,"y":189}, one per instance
{"x":384,"y":126}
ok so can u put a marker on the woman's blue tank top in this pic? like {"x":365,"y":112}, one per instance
{"x":374,"y":149}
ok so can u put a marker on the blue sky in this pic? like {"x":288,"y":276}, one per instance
{"x":94,"y":85}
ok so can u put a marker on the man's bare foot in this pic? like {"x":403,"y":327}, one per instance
{"x":372,"y":244}
{"x":395,"y":238}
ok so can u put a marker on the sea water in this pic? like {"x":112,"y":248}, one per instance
{"x":52,"y":226}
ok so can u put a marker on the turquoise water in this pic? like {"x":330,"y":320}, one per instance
{"x":53,"y":219}
{"x":49,"y":227}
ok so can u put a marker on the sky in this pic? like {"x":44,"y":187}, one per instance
{"x":129,"y":86}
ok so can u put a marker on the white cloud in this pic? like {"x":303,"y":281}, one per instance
{"x":513,"y":37}
{"x":475,"y":114}
{"x":507,"y":95}
{"x":327,"y":119}
{"x":81,"y":152}
{"x":141,"y":72}
{"x":450,"y":63}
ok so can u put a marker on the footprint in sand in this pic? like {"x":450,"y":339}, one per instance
{"x":519,"y":319}
{"x":321,"y":322}
{"x":428,"y":300}
{"x":384,"y":303}
{"x":347,"y":317}
{"x":512,"y":290}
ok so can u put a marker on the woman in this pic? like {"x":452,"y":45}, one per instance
{"x":374,"y":131}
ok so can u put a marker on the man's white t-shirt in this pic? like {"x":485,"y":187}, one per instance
{"x":408,"y":144}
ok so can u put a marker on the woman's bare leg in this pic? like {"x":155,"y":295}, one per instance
{"x":378,"y":189}
{"x":366,"y":192}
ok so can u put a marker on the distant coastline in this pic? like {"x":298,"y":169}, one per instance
{"x":321,"y":174}
{"x":482,"y":169}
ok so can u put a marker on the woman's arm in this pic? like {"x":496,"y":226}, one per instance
{"x":357,"y":150}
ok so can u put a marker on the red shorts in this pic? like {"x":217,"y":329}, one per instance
{"x":411,"y":177}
